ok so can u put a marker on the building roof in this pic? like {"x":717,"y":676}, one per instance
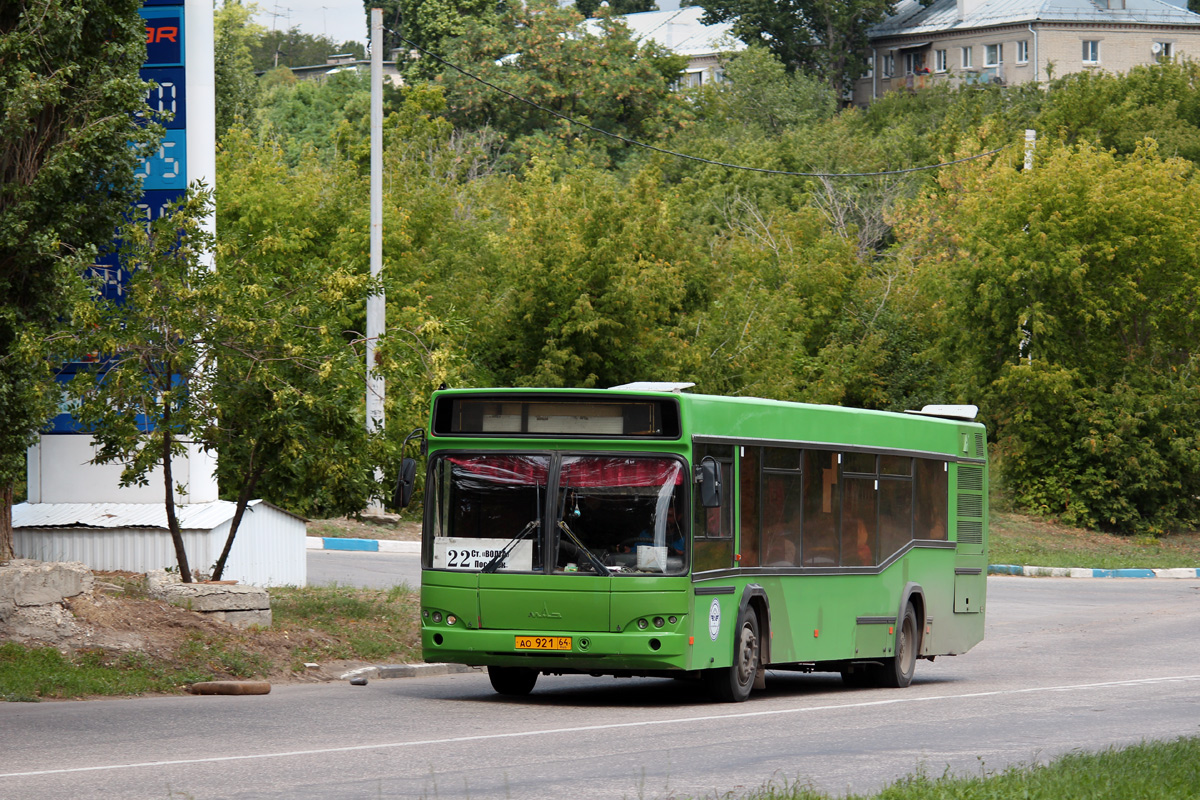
{"x":679,"y":31}
{"x":941,"y":16}
{"x":195,"y":516}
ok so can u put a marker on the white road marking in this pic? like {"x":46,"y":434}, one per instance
{"x":611,"y":726}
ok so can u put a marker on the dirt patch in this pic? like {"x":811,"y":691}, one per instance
{"x":388,"y":526}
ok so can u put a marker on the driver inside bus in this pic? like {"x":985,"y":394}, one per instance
{"x":674,"y":536}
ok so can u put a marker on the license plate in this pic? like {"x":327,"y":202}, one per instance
{"x":543,"y":642}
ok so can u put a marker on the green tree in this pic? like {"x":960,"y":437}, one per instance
{"x":1068,"y":303}
{"x":593,"y":280}
{"x":295,"y":48}
{"x":429,"y":24}
{"x":537,"y":51}
{"x":145,"y":399}
{"x":825,"y":37}
{"x":233,"y":71}
{"x":1157,"y":101}
{"x":290,"y":405}
{"x":69,"y":87}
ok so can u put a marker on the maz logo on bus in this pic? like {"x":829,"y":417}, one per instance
{"x":545,"y":613}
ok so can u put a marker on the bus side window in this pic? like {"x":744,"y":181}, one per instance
{"x":858,"y":522}
{"x":895,"y":504}
{"x":749,"y":485}
{"x":712,"y":528}
{"x":822,"y":502}
{"x":783,"y":501}
{"x":933,"y":499}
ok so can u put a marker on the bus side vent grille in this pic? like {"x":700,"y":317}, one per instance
{"x":970,"y":478}
{"x":970,"y":505}
{"x":970,"y":532}
{"x":980,"y":449}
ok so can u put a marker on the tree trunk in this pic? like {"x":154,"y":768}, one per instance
{"x":6,"y":528}
{"x":243,"y":500}
{"x":185,"y":573}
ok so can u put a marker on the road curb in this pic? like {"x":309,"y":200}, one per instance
{"x":409,"y":671}
{"x":361,"y":545}
{"x":1079,"y":572}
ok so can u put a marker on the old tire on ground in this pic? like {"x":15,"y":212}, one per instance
{"x":897,"y":671}
{"x":732,"y":684}
{"x":512,"y":681}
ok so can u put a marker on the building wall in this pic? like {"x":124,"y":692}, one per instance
{"x":59,"y":470}
{"x":269,"y":550}
{"x":1059,"y":45}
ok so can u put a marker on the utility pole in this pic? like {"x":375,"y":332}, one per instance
{"x":376,"y":323}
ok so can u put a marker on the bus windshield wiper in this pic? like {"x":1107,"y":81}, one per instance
{"x":499,"y":559}
{"x":596,"y":563}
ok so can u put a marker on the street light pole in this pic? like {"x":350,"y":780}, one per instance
{"x":376,"y":323}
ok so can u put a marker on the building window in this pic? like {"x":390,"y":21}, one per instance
{"x":1023,"y":51}
{"x":993,"y":55}
{"x":888,"y":66}
{"x":1163,"y":51}
{"x":914,"y":63}
{"x":966,"y":58}
{"x":939,"y":60}
{"x":1091,"y":51}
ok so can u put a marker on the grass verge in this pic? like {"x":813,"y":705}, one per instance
{"x":1148,"y":771}
{"x":149,"y":647}
{"x":1029,"y":541}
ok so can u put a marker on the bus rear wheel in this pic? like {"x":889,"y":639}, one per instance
{"x":512,"y":681}
{"x":897,"y":672}
{"x":732,"y":684}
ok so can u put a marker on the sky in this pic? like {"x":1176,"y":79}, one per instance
{"x":340,"y":20}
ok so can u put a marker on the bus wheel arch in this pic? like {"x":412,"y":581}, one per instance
{"x":897,"y":672}
{"x":751,"y":649}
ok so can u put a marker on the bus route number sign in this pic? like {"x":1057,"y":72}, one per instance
{"x":472,"y":555}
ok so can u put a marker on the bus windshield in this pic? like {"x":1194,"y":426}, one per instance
{"x":579,"y":513}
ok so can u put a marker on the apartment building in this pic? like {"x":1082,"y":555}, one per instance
{"x":1015,"y":41}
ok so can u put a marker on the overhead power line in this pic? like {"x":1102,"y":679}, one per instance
{"x":675,"y":154}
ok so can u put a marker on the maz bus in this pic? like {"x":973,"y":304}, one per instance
{"x":644,"y":531}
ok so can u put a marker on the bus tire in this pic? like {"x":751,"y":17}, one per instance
{"x":897,"y":671}
{"x":513,"y":681}
{"x":732,"y":684}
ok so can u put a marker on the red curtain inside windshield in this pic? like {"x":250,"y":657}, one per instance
{"x":505,"y":469}
{"x":594,"y":473}
{"x":577,"y":473}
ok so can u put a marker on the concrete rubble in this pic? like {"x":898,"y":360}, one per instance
{"x":239,"y":605}
{"x":33,"y":596}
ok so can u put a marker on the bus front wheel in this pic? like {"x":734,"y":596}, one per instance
{"x":512,"y":681}
{"x":732,"y":684}
{"x":897,"y":672}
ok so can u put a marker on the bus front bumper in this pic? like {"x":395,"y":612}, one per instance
{"x":600,"y":651}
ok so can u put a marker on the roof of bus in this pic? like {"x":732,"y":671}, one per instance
{"x":756,"y":418}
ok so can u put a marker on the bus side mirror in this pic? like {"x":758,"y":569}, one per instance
{"x":402,"y":494}
{"x":710,"y":482}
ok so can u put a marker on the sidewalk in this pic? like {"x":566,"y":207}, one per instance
{"x":1081,"y":572}
{"x":387,"y":546}
{"x":363,"y":545}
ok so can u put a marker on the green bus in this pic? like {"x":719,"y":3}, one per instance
{"x":646,"y":531}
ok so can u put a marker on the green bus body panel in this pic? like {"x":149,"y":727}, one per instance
{"x":812,"y":616}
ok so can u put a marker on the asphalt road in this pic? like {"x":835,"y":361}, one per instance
{"x":1067,"y":664}
{"x":364,"y":570}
